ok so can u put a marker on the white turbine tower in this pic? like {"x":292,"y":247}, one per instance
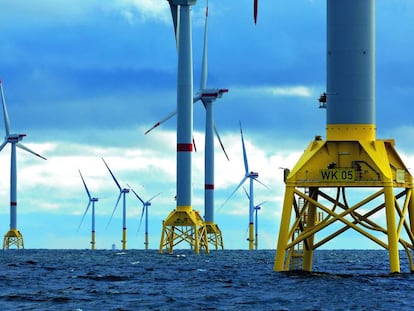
{"x":207,"y":96}
{"x":122,"y":192}
{"x":13,"y":236}
{"x":184,"y":224}
{"x":256,"y":224}
{"x":252,"y":176}
{"x":92,"y":201}
{"x":145,"y":205}
{"x":256,"y":220}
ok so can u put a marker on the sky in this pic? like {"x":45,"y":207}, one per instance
{"x":85,"y":79}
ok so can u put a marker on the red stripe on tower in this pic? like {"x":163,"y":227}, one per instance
{"x":209,"y":186}
{"x":184,"y":147}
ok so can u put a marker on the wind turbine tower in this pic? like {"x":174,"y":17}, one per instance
{"x":184,"y":224}
{"x":256,"y":220}
{"x":326,"y":179}
{"x":122,"y":192}
{"x":252,"y":176}
{"x":213,"y":231}
{"x":145,"y":205}
{"x":92,"y":200}
{"x":208,"y":97}
{"x":13,"y":236}
{"x":256,"y":224}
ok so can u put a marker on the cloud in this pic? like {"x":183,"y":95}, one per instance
{"x":47,"y":11}
{"x":143,"y":10}
{"x":76,"y":11}
{"x":150,"y":166}
{"x":276,"y":91}
{"x":300,"y":91}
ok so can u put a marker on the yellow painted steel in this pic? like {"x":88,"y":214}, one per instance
{"x":251,"y":236}
{"x":13,"y":238}
{"x":392,"y":230}
{"x":184,"y":225}
{"x":124,"y":239}
{"x":357,"y":184}
{"x":93,"y":240}
{"x":411,"y":212}
{"x":146,"y":240}
{"x":350,"y":132}
{"x":214,"y":235}
{"x":284,"y":235}
{"x":310,"y":222}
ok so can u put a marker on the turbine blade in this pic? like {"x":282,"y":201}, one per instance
{"x":194,"y":144}
{"x":255,"y":7}
{"x":204,"y":65}
{"x":262,"y":184}
{"x":234,"y":191}
{"x":86,"y":188}
{"x":246,"y":164}
{"x":169,"y":116}
{"x":21,"y":146}
{"x":142,"y":214}
{"x":113,"y":176}
{"x":113,"y":212}
{"x":197,"y":97}
{"x":175,"y":16}
{"x":84,"y":214}
{"x":245,"y":191}
{"x":154,"y":197}
{"x":221,"y":143}
{"x":246,"y":233}
{"x":5,"y":113}
{"x":261,"y":203}
{"x":136,"y":194}
{"x":3,"y":144}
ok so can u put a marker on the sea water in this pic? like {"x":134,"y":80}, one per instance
{"x":220,"y":280}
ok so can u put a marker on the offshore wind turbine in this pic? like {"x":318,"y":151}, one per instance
{"x":145,"y":205}
{"x":92,"y":201}
{"x":122,"y":192}
{"x":252,"y":176}
{"x":350,"y":157}
{"x":207,"y":96}
{"x":13,"y":236}
{"x":256,"y":220}
{"x":256,"y":224}
{"x":184,"y":224}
